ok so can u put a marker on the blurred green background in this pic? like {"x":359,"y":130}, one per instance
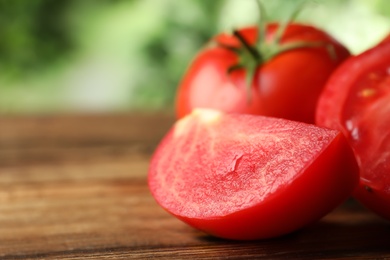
{"x":71,"y":56}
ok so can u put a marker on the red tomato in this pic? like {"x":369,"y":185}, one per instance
{"x":356,"y":101}
{"x":244,"y":177}
{"x":386,"y":39}
{"x":286,"y":86}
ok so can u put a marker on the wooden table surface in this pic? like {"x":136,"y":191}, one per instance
{"x":74,"y":187}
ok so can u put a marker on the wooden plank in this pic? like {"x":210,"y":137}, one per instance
{"x":64,"y":196}
{"x":53,"y":139}
{"x":104,"y":210}
{"x":76,"y":130}
{"x":81,"y":207}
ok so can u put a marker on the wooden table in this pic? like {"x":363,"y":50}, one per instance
{"x":74,"y":187}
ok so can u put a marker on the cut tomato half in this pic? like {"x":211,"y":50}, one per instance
{"x":246,"y":177}
{"x":356,"y":101}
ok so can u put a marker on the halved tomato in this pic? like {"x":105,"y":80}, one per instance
{"x":356,"y":101}
{"x":240,"y":176}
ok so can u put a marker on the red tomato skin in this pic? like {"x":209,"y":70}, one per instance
{"x":325,"y":184}
{"x":386,"y":39}
{"x":339,"y":103}
{"x":286,"y":86}
{"x":377,"y":201}
{"x":207,"y":85}
{"x":329,"y":112}
{"x":322,"y":188}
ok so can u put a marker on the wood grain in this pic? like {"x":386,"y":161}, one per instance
{"x":74,"y":187}
{"x":28,"y":140}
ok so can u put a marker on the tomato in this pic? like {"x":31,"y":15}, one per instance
{"x":386,"y":39}
{"x":356,"y":101}
{"x":240,"y":176}
{"x":287,"y":85}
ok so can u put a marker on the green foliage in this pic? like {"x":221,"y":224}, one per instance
{"x":33,"y":34}
{"x":168,"y":52}
{"x":112,"y":55}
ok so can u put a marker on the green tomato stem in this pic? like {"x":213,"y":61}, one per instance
{"x":250,"y":49}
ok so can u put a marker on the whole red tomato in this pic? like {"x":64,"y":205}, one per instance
{"x":356,"y":100}
{"x":288,"y":74}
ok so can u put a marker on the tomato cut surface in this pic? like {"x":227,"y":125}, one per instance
{"x":356,"y":101}
{"x":248,"y":177}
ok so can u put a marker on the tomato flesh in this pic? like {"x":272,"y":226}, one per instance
{"x":357,"y":102}
{"x":366,"y":117}
{"x":247,"y":177}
